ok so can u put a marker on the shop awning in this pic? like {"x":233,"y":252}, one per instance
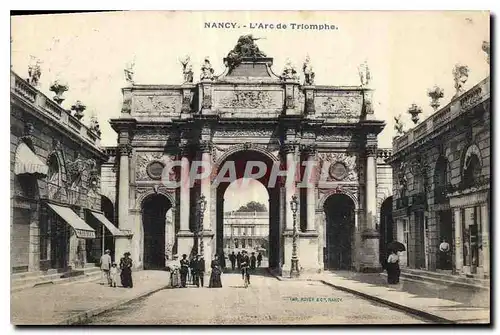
{"x":82,"y":229}
{"x":27,"y":162}
{"x":108,"y":224}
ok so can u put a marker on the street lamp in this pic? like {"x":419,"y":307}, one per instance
{"x":294,"y":272}
{"x":202,"y":203}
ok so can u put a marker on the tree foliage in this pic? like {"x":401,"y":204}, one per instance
{"x":253,"y":206}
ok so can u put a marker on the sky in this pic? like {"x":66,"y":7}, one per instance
{"x":407,"y":53}
{"x":242,"y":191}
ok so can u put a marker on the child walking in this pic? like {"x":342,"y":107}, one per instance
{"x":113,"y":273}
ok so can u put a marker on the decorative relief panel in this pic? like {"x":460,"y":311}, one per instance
{"x":148,"y":163}
{"x":244,"y":133}
{"x":335,"y":135}
{"x":156,"y":104}
{"x":249,"y":99}
{"x":219,"y":150}
{"x":347,"y":105}
{"x":342,"y":166}
{"x":152,"y":135}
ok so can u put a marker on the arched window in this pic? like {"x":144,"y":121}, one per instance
{"x":472,"y":170}
{"x":53,"y":175}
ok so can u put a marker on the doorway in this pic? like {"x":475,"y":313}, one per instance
{"x":154,"y":211}
{"x":339,"y":213}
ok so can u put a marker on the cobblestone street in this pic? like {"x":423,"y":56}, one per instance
{"x":266,"y":301}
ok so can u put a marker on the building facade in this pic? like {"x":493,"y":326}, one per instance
{"x":55,"y":182}
{"x":441,"y":172}
{"x":246,"y":231}
{"x":248,"y":113}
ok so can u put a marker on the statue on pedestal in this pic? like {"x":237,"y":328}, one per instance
{"x":364,"y":74}
{"x":398,"y":126}
{"x":245,"y":47}
{"x":207,"y":71}
{"x":129,"y":72}
{"x":308,"y":72}
{"x":187,"y":69}
{"x":289,"y":71}
{"x":460,"y":76}
{"x":34,"y":73}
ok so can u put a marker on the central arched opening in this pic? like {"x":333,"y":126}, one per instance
{"x":248,"y":209}
{"x":154,"y":220}
{"x":339,"y":213}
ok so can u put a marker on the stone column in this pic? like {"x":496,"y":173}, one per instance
{"x":370,"y":235}
{"x":310,"y":179}
{"x":34,"y":246}
{"x":122,"y":244}
{"x":184,"y":192}
{"x":485,"y":240}
{"x":185,"y":238}
{"x":320,"y":227}
{"x":458,"y":240}
{"x":205,"y":188}
{"x":289,"y":151}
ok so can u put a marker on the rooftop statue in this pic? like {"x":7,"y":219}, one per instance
{"x":289,"y":72}
{"x":207,"y":71}
{"x":308,"y":72}
{"x":245,"y":47}
{"x":364,"y":74}
{"x":460,"y":75}
{"x":34,"y":73}
{"x":398,"y":126}
{"x":187,"y":69}
{"x":129,"y":72}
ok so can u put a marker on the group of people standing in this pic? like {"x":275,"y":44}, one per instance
{"x":111,"y":271}
{"x":193,"y":272}
{"x":236,"y":259}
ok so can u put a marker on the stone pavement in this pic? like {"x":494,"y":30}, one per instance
{"x":75,"y":302}
{"x":440,"y":303}
{"x":266,"y":301}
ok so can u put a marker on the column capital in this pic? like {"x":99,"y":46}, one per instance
{"x":309,"y":150}
{"x":288,"y":147}
{"x":205,"y":146}
{"x":125,"y":149}
{"x":371,"y":150}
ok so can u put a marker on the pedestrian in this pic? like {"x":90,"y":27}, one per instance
{"x":126,"y":270}
{"x":215,"y":276}
{"x":245,"y":263}
{"x":232,"y":258}
{"x":444,"y":250}
{"x":253,"y":260}
{"x":113,"y":273}
{"x":200,"y":271}
{"x":184,"y":270}
{"x":192,"y":270}
{"x":222,"y":259}
{"x":174,"y":268}
{"x":259,"y":259}
{"x":238,"y":260}
{"x":393,"y":270}
{"x":105,"y":267}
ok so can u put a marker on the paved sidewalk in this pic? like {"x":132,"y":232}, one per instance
{"x":74,"y":302}
{"x":450,"y":304}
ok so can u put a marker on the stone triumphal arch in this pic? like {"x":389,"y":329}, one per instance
{"x":249,"y":113}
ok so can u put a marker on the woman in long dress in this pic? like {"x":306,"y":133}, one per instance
{"x":126,"y":273}
{"x":215,"y":280}
{"x":393,"y":270}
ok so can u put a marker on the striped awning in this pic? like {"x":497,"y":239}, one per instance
{"x":27,"y":162}
{"x":109,"y":225}
{"x":82,"y":229}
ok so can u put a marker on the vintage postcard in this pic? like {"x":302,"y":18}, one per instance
{"x":250,"y":168}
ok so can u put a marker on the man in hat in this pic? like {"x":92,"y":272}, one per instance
{"x":106,"y":266}
{"x":184,"y":269}
{"x":200,"y":270}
